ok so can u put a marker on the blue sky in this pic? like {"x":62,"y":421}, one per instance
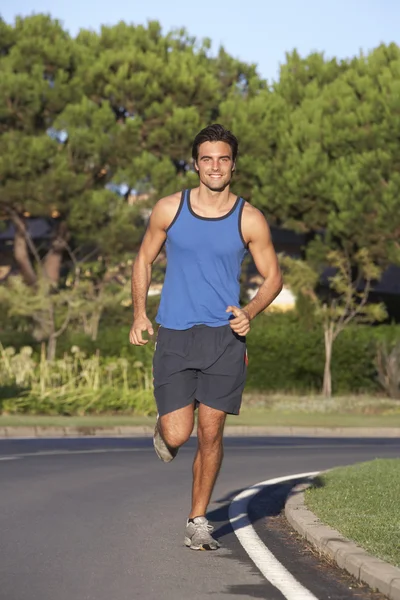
{"x":256,"y":31}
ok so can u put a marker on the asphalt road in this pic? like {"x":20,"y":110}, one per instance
{"x":103,"y":519}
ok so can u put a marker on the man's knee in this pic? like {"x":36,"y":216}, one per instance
{"x":174,"y":434}
{"x":175,"y":439}
{"x":207,"y":437}
{"x":210,"y":433}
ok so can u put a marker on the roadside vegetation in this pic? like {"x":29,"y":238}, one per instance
{"x":107,"y":376}
{"x":362,"y":503}
{"x":96,"y":146}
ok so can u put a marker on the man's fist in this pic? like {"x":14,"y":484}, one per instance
{"x":140,"y":324}
{"x":240,"y":324}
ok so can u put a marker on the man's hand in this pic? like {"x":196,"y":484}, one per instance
{"x":241,"y":323}
{"x":140,"y":324}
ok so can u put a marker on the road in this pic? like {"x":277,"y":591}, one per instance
{"x":103,"y":519}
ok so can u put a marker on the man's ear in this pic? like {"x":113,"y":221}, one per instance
{"x":196,"y":166}
{"x":233,"y":167}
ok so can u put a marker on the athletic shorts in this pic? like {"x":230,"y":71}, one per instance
{"x":203,"y":364}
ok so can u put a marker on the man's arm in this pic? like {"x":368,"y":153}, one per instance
{"x":256,"y":233}
{"x":153,"y":240}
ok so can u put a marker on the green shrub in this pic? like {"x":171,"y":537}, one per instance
{"x":74,"y":384}
{"x":283,"y":355}
{"x":286,"y":356}
{"x":107,"y":400}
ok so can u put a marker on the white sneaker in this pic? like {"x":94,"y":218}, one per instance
{"x":164,"y":452}
{"x":198,"y":535}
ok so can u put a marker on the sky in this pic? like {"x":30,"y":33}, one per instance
{"x":255,"y":31}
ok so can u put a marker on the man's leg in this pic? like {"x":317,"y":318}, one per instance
{"x":208,"y":458}
{"x":205,"y":471}
{"x":176,"y":427}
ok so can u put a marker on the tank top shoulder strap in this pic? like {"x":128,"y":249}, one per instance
{"x":239,"y":209}
{"x":182,"y":206}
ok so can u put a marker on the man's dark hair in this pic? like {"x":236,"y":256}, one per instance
{"x":215,"y":133}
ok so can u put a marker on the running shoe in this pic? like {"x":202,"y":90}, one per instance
{"x":198,"y":535}
{"x":164,"y":452}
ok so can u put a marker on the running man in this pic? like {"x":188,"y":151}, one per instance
{"x":200,"y":359}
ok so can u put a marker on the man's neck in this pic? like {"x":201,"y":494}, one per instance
{"x":206,"y":197}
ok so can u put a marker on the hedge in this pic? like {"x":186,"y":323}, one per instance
{"x":284,"y":355}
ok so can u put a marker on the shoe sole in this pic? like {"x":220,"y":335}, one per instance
{"x":163,"y":453}
{"x":205,"y":547}
{"x":164,"y":457}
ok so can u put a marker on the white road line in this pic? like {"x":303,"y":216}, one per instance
{"x":9,"y":457}
{"x":263,"y":558}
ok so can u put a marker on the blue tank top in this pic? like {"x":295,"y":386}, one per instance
{"x":204,"y":258}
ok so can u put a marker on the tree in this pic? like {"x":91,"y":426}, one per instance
{"x":49,"y":313}
{"x":115,"y":109}
{"x":350,"y":283}
{"x":97,"y":287}
{"x":320,"y":150}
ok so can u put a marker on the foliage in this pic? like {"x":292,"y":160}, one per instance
{"x":286,"y":356}
{"x":320,"y":150}
{"x":349,"y":286}
{"x":52,"y":310}
{"x":128,"y":99}
{"x":319,"y":153}
{"x":49,"y":310}
{"x":74,"y":384}
{"x":388,"y":366}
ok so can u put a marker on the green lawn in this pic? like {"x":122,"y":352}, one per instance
{"x":248,"y":417}
{"x":363,"y":503}
{"x":257,"y":410}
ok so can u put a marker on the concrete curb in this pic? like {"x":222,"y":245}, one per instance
{"x":230,"y":431}
{"x":376,"y":573}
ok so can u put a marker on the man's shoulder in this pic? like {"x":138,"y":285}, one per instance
{"x":254,"y":224}
{"x":169,"y":203}
{"x":251,"y":213}
{"x":165,"y":209}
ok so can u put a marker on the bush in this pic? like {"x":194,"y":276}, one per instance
{"x":283,"y":355}
{"x":74,"y":384}
{"x":286,"y":356}
{"x":107,"y":400}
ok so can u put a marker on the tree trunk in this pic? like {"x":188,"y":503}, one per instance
{"x":52,"y":335}
{"x":95,"y":321}
{"x":21,"y":253}
{"x":327,"y":384}
{"x":53,"y":259}
{"x":51,"y":347}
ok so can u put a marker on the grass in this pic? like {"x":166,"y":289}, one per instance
{"x":252,"y":417}
{"x":362,"y":503}
{"x":248,"y":417}
{"x":274,"y":410}
{"x":60,"y":421}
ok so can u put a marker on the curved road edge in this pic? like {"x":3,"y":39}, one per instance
{"x":38,"y":431}
{"x":262,"y":557}
{"x":373,"y":571}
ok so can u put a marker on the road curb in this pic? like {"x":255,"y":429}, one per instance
{"x":373,"y":571}
{"x":230,"y":431}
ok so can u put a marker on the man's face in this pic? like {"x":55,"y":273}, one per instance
{"x":215,"y":165}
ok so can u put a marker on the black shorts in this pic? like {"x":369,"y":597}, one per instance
{"x":206,"y":364}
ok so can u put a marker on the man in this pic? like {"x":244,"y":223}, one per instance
{"x":200,"y":358}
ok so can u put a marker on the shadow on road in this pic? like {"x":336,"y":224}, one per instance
{"x":268,"y":501}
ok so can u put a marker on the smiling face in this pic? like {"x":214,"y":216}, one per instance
{"x":215,"y":165}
